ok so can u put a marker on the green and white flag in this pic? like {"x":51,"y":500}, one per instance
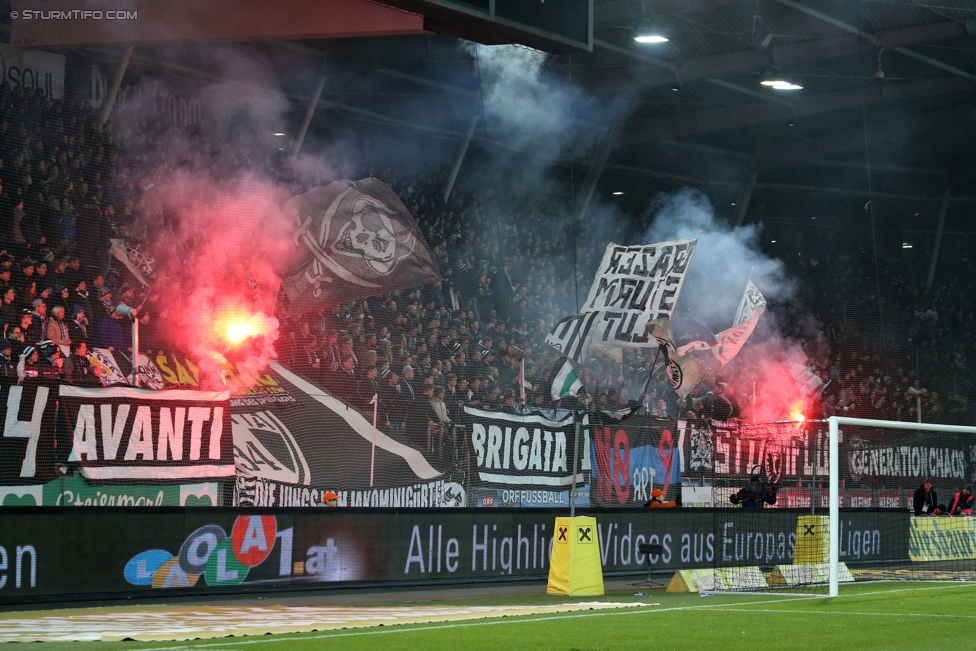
{"x":565,"y":383}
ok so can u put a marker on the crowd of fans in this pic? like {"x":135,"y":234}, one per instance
{"x":511,"y":267}
{"x":61,"y":182}
{"x":510,"y":273}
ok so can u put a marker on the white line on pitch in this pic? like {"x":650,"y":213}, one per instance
{"x":841,"y":612}
{"x":407,"y":628}
{"x":402,"y":628}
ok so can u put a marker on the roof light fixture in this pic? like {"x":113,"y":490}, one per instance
{"x":651,"y":38}
{"x":647,"y":31}
{"x":774,"y":78}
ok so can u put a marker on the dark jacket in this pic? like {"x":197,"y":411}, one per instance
{"x":925,"y":498}
{"x":81,"y":372}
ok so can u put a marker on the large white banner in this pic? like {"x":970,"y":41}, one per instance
{"x":42,"y":71}
{"x":633,"y":285}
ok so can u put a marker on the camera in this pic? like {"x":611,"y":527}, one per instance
{"x":757,"y":493}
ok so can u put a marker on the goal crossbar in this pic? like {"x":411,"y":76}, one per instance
{"x":835,"y":422}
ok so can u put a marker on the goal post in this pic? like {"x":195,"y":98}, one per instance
{"x":835,"y":422}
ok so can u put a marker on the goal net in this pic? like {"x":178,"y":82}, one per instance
{"x":808,"y":507}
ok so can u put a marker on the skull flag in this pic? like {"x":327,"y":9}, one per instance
{"x":353,"y":239}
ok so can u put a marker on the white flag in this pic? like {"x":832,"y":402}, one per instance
{"x":135,"y":259}
{"x":806,"y":380}
{"x":149,"y":374}
{"x":572,"y":335}
{"x":111,"y":373}
{"x":751,"y":307}
{"x":752,"y":300}
{"x":730,"y":341}
{"x":685,"y":373}
{"x":633,"y":285}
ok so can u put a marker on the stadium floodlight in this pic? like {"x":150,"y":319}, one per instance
{"x":775,"y":79}
{"x":834,"y":423}
{"x":647,"y":31}
{"x":650,"y":38}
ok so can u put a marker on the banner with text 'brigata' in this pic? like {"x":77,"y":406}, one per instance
{"x":526,"y":459}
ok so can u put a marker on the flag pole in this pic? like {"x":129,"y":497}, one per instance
{"x":572,"y":485}
{"x":372,"y":457}
{"x":650,"y":372}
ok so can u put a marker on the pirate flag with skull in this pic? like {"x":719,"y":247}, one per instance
{"x":353,"y":240}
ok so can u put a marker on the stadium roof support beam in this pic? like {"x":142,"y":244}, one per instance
{"x":679,"y":125}
{"x":113,"y":90}
{"x":890,"y":43}
{"x":460,"y":158}
{"x":313,"y":103}
{"x":672,"y":75}
{"x":808,"y":150}
{"x":628,"y":12}
{"x":593,"y":174}
{"x":938,"y":237}
{"x":744,"y":197}
{"x":754,"y":60}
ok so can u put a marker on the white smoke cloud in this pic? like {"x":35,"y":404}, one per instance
{"x":530,"y":107}
{"x":723,"y":261}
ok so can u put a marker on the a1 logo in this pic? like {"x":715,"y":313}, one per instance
{"x":253,"y":538}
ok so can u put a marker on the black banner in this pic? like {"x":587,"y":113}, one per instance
{"x":632,"y":458}
{"x":354,"y":239}
{"x":792,"y":455}
{"x":71,"y":552}
{"x":28,"y":447}
{"x":121,"y":433}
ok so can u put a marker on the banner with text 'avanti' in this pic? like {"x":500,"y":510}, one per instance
{"x":123,"y":433}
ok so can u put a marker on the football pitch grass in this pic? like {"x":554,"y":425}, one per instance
{"x":866,"y":616}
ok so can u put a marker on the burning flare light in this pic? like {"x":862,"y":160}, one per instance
{"x":238,"y":332}
{"x":796,"y":413}
{"x":236,"y":327}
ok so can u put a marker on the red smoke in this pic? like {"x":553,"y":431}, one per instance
{"x":763,"y":379}
{"x":214,"y":294}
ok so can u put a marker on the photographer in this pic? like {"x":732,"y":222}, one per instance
{"x":756,"y":494}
